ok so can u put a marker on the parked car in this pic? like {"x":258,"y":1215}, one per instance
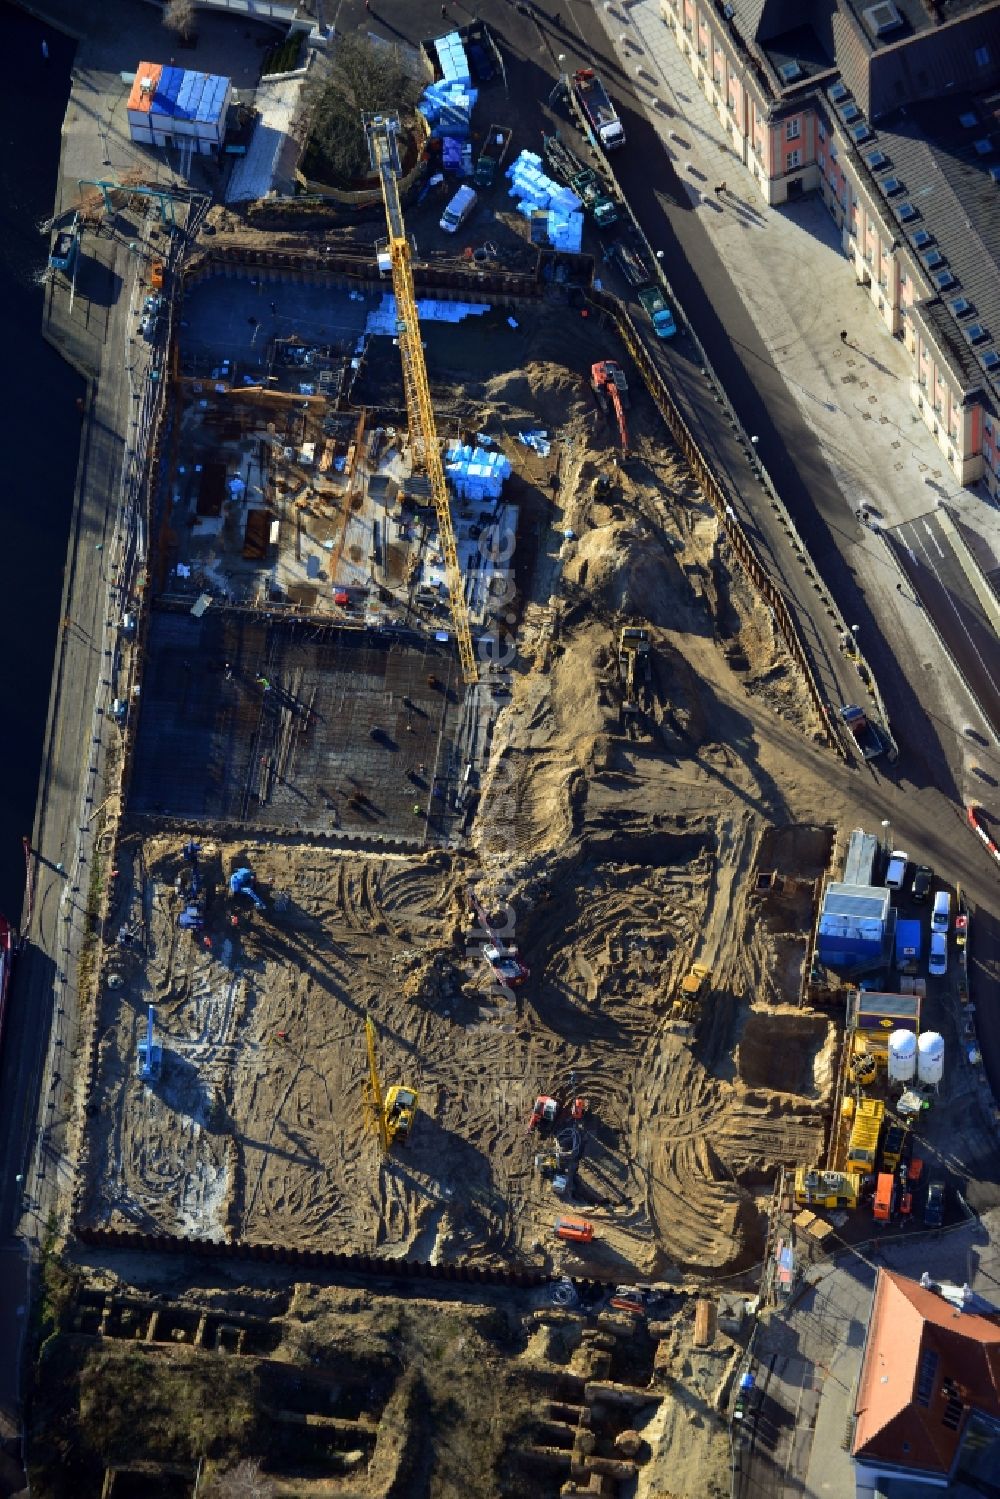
{"x":937,"y":963}
{"x":895,"y":875}
{"x":923,"y":879}
{"x":941,"y":914}
{"x":934,"y":1206}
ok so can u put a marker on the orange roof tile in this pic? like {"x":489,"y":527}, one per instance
{"x":922,"y":1353}
{"x":141,"y":96}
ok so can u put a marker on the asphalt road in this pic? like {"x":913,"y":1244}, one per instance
{"x":925,"y":553}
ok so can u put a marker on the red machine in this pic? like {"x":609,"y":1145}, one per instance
{"x":575,"y":1230}
{"x":629,"y":1299}
{"x":607,"y":380}
{"x":549,"y":1110}
{"x":546,"y":1111}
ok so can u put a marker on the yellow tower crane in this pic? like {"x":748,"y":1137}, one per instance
{"x":393,"y":1112}
{"x":382,"y":131}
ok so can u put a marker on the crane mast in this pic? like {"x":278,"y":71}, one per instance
{"x":381,"y":130}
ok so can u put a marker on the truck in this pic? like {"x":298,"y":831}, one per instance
{"x":894,"y":1145}
{"x":866,"y":736}
{"x":658,"y":311}
{"x":602,"y":209}
{"x":885,"y":1197}
{"x":866,"y":1129}
{"x":908,"y":944}
{"x":494,"y":148}
{"x":584,"y":181}
{"x":598,"y":110}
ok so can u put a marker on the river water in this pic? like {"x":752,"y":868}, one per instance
{"x":39,"y":427}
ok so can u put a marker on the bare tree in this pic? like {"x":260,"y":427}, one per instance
{"x":361,"y":77}
{"x":179,"y":16}
{"x":245,"y":1481}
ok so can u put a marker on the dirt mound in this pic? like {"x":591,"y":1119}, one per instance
{"x":551,"y":393}
{"x":629,"y":570}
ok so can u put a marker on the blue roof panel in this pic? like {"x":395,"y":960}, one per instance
{"x":187,"y":95}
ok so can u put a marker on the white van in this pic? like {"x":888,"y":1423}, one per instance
{"x":941,"y":914}
{"x":458,"y":210}
{"x":895,"y":875}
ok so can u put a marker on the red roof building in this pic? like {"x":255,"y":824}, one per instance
{"x":930,"y":1377}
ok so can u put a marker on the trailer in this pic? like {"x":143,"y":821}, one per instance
{"x":496,"y":144}
{"x":629,"y":262}
{"x":866,"y":736}
{"x":602,"y":208}
{"x":598,"y":111}
{"x":565,"y":165}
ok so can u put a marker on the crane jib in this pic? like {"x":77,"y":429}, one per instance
{"x":382,"y":131}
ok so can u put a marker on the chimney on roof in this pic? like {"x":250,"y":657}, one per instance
{"x":925,"y":1281}
{"x":145,"y":84}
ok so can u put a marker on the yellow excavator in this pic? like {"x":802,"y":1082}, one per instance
{"x":634,"y":667}
{"x":392,"y":1111}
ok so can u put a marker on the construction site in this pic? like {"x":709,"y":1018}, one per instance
{"x":481,"y":970}
{"x":410,"y":956}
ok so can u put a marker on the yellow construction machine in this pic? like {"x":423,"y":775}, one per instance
{"x":691,"y":991}
{"x":633,"y":665}
{"x":393,"y":1111}
{"x":826,"y":1189}
{"x":382,"y":131}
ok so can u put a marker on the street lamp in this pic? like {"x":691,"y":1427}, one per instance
{"x":886,"y":840}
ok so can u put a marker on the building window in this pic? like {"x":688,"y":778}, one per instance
{"x":833,"y":151}
{"x":822,"y":130}
{"x":982,"y":56}
{"x":793,"y":129}
{"x":793,"y":160}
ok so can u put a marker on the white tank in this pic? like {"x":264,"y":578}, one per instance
{"x":930,"y":1058}
{"x":902,"y":1056}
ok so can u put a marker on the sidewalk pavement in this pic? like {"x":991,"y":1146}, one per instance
{"x":800,"y":291}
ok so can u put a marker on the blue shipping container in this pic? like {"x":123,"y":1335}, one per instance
{"x":908,"y":941}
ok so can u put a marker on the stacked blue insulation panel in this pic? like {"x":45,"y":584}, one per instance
{"x":534,"y":191}
{"x":474,"y":473}
{"x":447,"y":105}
